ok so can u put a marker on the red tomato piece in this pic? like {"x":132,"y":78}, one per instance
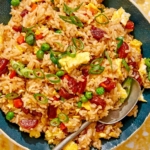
{"x":99,"y":127}
{"x":52,"y":111}
{"x":98,"y":101}
{"x":18,"y":103}
{"x":39,"y":36}
{"x":63,"y":93}
{"x":130,"y":25}
{"x":12,"y":74}
{"x":108,"y":85}
{"x":122,"y":50}
{"x":17,"y":28}
{"x":20,"y":39}
{"x":28,"y":123}
{"x":3,"y":65}
{"x":24,"y":12}
{"x":97,"y":33}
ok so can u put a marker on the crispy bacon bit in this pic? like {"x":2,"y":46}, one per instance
{"x":3,"y":65}
{"x":98,"y":101}
{"x":97,"y":33}
{"x":122,"y":50}
{"x":17,"y":28}
{"x":28,"y":123}
{"x":63,"y":93}
{"x":24,"y":12}
{"x":99,"y":127}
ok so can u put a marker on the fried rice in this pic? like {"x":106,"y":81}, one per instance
{"x":91,"y":51}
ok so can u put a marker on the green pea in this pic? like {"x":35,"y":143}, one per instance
{"x":45,"y":47}
{"x":88,"y":94}
{"x":58,"y":31}
{"x":30,"y":39}
{"x":100,"y":90}
{"x":79,"y":104}
{"x":40,"y":54}
{"x":83,"y":99}
{"x":10,"y":115}
{"x":60,"y":73}
{"x":15,"y":2}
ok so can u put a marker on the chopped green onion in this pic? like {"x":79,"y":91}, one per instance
{"x":60,"y":73}
{"x":149,"y":76}
{"x":79,"y":104}
{"x":58,"y":31}
{"x":30,"y":39}
{"x":10,"y":115}
{"x":100,"y":90}
{"x":55,"y":122}
{"x":0,"y":94}
{"x":45,"y":47}
{"x":63,"y":117}
{"x":68,"y":10}
{"x":109,"y":59}
{"x":97,"y":61}
{"x":27,"y":73}
{"x":71,"y":51}
{"x":40,"y":54}
{"x":147,"y":62}
{"x":88,"y":95}
{"x":83,"y":99}
{"x":53,"y":58}
{"x":11,"y":96}
{"x":53,"y":78}
{"x":120,"y":39}
{"x":39,"y":73}
{"x":72,"y":20}
{"x":127,"y":85}
{"x":97,"y":69}
{"x":78,"y":43}
{"x":41,"y":98}
{"x":17,"y":66}
{"x":102,"y":19}
{"x":124,"y":63}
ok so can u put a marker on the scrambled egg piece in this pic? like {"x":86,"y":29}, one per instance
{"x":92,"y":8}
{"x":69,"y":63}
{"x":35,"y":133}
{"x":71,"y":146}
{"x":136,"y":44}
{"x":121,"y":15}
{"x":1,"y":39}
{"x":19,"y":48}
{"x":122,"y":91}
{"x":118,"y":62}
{"x":142,"y":68}
{"x":87,"y":105}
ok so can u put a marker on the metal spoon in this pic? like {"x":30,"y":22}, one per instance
{"x":114,"y":115}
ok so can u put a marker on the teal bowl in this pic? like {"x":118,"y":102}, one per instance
{"x":141,"y":32}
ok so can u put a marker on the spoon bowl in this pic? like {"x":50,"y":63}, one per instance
{"x":113,"y":116}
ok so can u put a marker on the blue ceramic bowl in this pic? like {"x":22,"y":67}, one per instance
{"x":141,"y":32}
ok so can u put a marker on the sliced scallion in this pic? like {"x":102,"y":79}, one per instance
{"x":78,"y":43}
{"x":63,"y":117}
{"x":97,"y":69}
{"x":109,"y":59}
{"x":53,"y":78}
{"x":41,"y":98}
{"x":11,"y":96}
{"x":120,"y":39}
{"x":102,"y":19}
{"x":39,"y":73}
{"x":97,"y":61}
{"x":124,"y":63}
{"x":55,"y":122}
{"x":71,"y":51}
{"x":28,"y":73}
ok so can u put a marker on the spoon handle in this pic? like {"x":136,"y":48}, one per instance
{"x":71,"y":136}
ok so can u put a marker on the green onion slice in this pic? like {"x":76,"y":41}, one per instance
{"x":28,"y":73}
{"x":120,"y":39}
{"x":78,"y":43}
{"x":102,"y":19}
{"x":55,"y":122}
{"x":39,"y":73}
{"x":71,"y":51}
{"x":124,"y":63}
{"x":41,"y":98}
{"x":97,"y":69}
{"x":11,"y":96}
{"x":97,"y":61}
{"x":147,"y":62}
{"x":53,"y":78}
{"x":63,"y":117}
{"x":53,"y":58}
{"x":72,"y":20}
{"x":109,"y":59}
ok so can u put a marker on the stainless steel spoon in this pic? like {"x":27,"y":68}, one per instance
{"x":114,"y":115}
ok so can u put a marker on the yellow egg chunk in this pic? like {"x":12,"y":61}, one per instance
{"x":69,"y":63}
{"x":92,"y":8}
{"x":87,"y":105}
{"x":136,"y":44}
{"x":35,"y":133}
{"x":118,"y":63}
{"x":122,"y":91}
{"x":121,"y":15}
{"x":142,"y":68}
{"x":71,"y":146}
{"x":1,"y":39}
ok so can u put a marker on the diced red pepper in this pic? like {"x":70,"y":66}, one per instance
{"x":99,"y":127}
{"x":39,"y":36}
{"x":28,"y":123}
{"x":3,"y":65}
{"x":33,"y":6}
{"x":108,"y":85}
{"x":98,"y":101}
{"x":62,"y":126}
{"x":12,"y":74}
{"x":63,"y":93}
{"x":17,"y":28}
{"x":18,"y":103}
{"x":52,"y":111}
{"x":97,"y":33}
{"x":56,"y":98}
{"x":130,"y":25}
{"x":20,"y":39}
{"x":24,"y":12}
{"x":122,"y":50}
